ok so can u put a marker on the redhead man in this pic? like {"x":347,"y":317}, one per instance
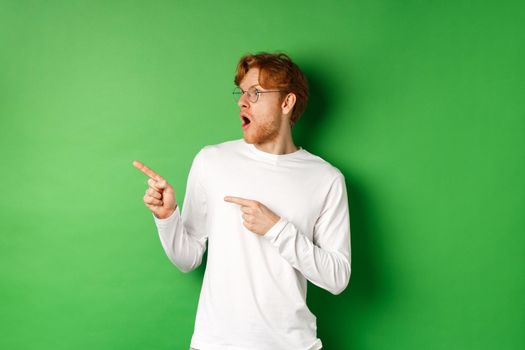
{"x":271,"y":215}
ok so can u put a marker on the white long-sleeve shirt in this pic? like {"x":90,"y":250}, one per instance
{"x":253,"y":295}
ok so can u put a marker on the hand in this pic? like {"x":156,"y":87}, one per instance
{"x":159,"y":197}
{"x":257,"y":217}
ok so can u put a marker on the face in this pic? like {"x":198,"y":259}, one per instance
{"x":265,"y":115}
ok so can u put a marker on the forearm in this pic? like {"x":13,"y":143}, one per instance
{"x":184,"y":250}
{"x":328,"y":269}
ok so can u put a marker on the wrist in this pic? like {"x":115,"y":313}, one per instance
{"x":167,"y":215}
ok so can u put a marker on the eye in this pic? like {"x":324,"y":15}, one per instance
{"x":252,"y":91}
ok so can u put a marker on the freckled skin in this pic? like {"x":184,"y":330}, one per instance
{"x":266,"y":114}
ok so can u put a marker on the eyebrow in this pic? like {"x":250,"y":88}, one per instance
{"x":249,"y":86}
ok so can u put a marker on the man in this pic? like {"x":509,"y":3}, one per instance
{"x":272,"y":214}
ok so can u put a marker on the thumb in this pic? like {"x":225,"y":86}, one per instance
{"x":161,"y":183}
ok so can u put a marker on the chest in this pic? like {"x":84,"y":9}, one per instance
{"x":292,"y":192}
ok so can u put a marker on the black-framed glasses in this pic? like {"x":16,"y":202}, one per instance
{"x":253,"y":93}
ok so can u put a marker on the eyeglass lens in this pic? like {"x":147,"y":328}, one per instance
{"x":252,"y":94}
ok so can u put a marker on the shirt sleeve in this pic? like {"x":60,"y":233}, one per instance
{"x":183,"y":236}
{"x":325,"y":261}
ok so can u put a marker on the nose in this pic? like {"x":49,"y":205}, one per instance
{"x":243,"y":101}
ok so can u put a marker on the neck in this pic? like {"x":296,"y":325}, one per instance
{"x":280,"y":145}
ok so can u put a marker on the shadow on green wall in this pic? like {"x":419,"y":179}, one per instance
{"x":336,"y":314}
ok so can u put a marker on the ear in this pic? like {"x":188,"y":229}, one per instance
{"x":288,"y":103}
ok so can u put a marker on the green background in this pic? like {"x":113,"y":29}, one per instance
{"x":419,"y":104}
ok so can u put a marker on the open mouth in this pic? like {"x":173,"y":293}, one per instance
{"x":245,"y":121}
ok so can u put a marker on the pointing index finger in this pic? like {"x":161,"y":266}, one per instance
{"x":146,"y":170}
{"x":238,"y":200}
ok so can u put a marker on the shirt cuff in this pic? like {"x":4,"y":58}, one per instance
{"x":167,"y":221}
{"x":275,"y":230}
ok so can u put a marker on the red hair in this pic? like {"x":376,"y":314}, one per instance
{"x":277,"y":71}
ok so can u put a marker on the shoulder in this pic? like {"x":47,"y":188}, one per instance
{"x":330,"y":172}
{"x":217,"y":152}
{"x":214,"y":149}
